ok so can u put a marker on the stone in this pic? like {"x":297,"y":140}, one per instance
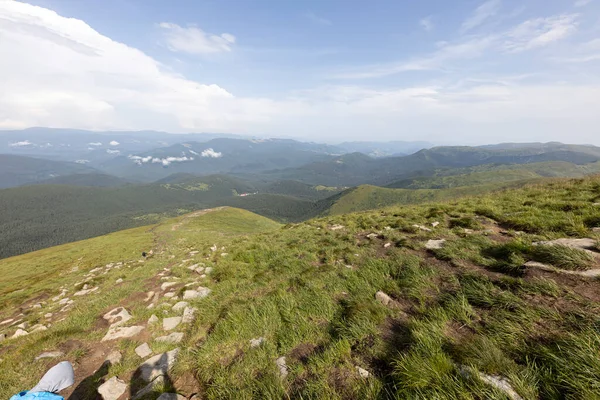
{"x":23,"y":325}
{"x":421,"y":227}
{"x":336,"y":227}
{"x":50,"y":354}
{"x":167,"y":285}
{"x":363,"y":372}
{"x":7,"y":321}
{"x":112,"y":389}
{"x":159,"y":365}
{"x":38,"y":305}
{"x":149,"y":296}
{"x":372,"y":236}
{"x":196,"y":294}
{"x":501,"y":384}
{"x":383,"y":298}
{"x":117,"y":316}
{"x":435,"y":244}
{"x":582,"y":244}
{"x":174,"y":337}
{"x":188,"y":315}
{"x":256,"y":342}
{"x":64,"y":301}
{"x":170,"y":295}
{"x":114,"y":357}
{"x":434,"y":224}
{"x":153,"y":319}
{"x":596,"y":230}
{"x":19,"y":333}
{"x":143,"y":350}
{"x":121,"y":332}
{"x":2,"y":337}
{"x":208,"y":270}
{"x":38,"y":328}
{"x":590,"y":273}
{"x":120,"y":280}
{"x":48,"y":315}
{"x":83,"y":292}
{"x":387,"y":245}
{"x":149,"y":388}
{"x":214,"y":248}
{"x":468,"y":231}
{"x":171,"y":323}
{"x":282,"y":366}
{"x":171,"y":396}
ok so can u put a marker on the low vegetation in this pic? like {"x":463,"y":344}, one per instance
{"x":454,"y":315}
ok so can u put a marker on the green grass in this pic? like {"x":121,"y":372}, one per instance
{"x":310,"y":292}
{"x":563,"y":257}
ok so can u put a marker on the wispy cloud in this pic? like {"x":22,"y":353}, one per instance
{"x":582,"y":3}
{"x":317,"y":20}
{"x":427,"y":23}
{"x":540,"y":32}
{"x":194,"y":40}
{"x":480,"y":15}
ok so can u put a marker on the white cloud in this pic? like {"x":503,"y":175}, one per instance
{"x":156,"y":160}
{"x":194,"y":40}
{"x":82,"y":161}
{"x":427,"y":23}
{"x":540,"y":32}
{"x":582,"y":3}
{"x":481,"y":14}
{"x":95,"y":144}
{"x":318,"y":20}
{"x":211,"y":153}
{"x":21,"y":144}
{"x":109,"y":151}
{"x":193,"y":152}
{"x":114,"y":143}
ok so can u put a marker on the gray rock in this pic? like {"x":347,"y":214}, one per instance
{"x":498,"y":382}
{"x":117,"y":316}
{"x":120,"y":280}
{"x":434,"y":224}
{"x":38,"y":305}
{"x":175,"y":337}
{"x":435,"y":244}
{"x":149,"y":296}
{"x":2,"y":337}
{"x":38,"y":328}
{"x":171,"y":323}
{"x":180,"y":306}
{"x":196,"y":294}
{"x":149,"y":388}
{"x":114,"y":357}
{"x":336,"y":227}
{"x":596,"y":230}
{"x":167,"y":285}
{"x":83,"y":292}
{"x":50,"y":354}
{"x":385,"y":246}
{"x":383,"y":298}
{"x":121,"y":332}
{"x":363,"y":372}
{"x":153,"y":319}
{"x":158,"y":365}
{"x":7,"y":321}
{"x":171,"y":396}
{"x":188,"y":315}
{"x":23,"y":325}
{"x":143,"y":350}
{"x":170,"y":295}
{"x":19,"y":333}
{"x":48,"y":315}
{"x":421,"y":227}
{"x":112,"y":389}
{"x":208,"y":270}
{"x":256,"y":342}
{"x":582,"y":244}
{"x":282,"y":366}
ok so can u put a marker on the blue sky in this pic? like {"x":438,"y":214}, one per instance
{"x":446,"y":71}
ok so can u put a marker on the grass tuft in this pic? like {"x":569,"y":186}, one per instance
{"x":563,"y":257}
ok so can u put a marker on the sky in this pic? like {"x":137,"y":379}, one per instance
{"x":449,"y":72}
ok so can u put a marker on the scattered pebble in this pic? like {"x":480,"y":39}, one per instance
{"x":363,"y":372}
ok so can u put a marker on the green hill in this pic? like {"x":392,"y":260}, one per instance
{"x":20,"y":170}
{"x":343,"y":307}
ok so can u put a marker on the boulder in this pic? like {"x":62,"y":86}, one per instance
{"x":175,"y":337}
{"x":114,"y":357}
{"x":282,"y":366}
{"x":171,"y":323}
{"x":117,"y":316}
{"x":143,"y":350}
{"x":158,"y":365}
{"x":188,"y":315}
{"x":435,"y":244}
{"x":23,"y":325}
{"x":196,"y":294}
{"x":112,"y":389}
{"x":121,"y":332}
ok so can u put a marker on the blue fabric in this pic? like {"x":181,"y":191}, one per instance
{"x":36,"y":396}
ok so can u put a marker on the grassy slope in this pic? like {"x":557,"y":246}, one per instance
{"x":470,"y":303}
